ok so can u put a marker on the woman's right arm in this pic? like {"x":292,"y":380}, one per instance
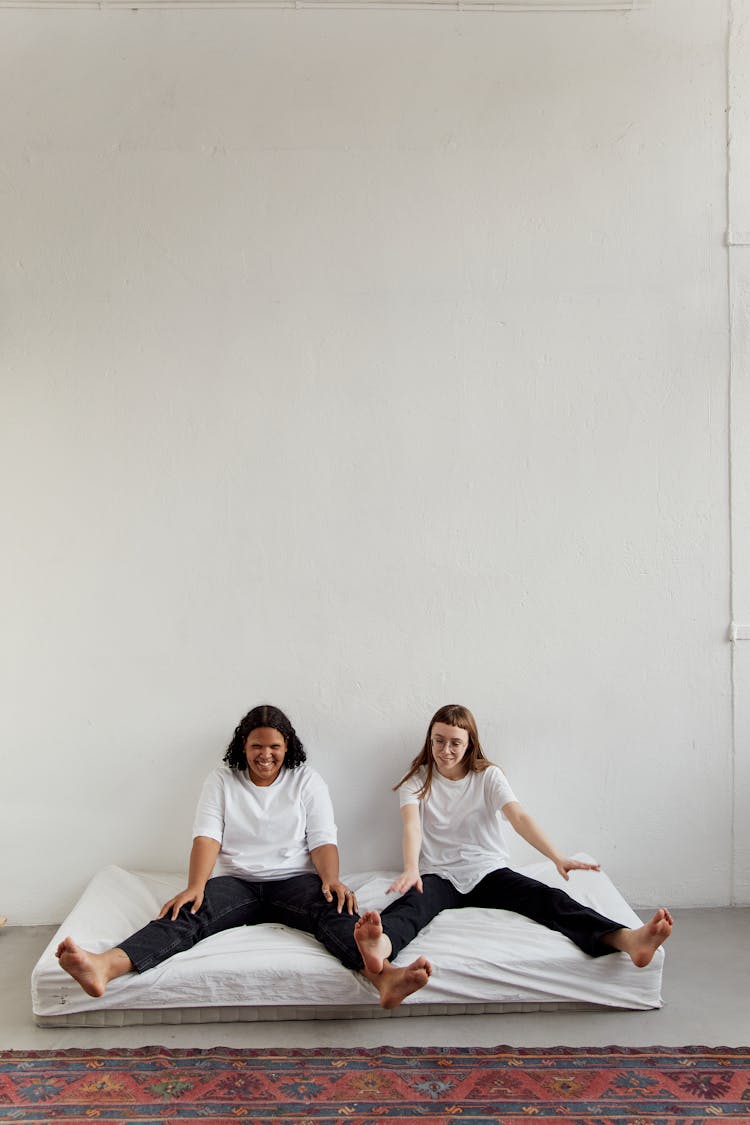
{"x":411,"y":842}
{"x":203,"y":856}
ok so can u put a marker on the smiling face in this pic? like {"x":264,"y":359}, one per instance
{"x":264,"y":750}
{"x":449,"y":746}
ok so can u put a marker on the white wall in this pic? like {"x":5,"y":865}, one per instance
{"x":739,"y":278}
{"x":363,"y":362}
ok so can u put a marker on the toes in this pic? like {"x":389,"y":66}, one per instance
{"x":421,"y":965}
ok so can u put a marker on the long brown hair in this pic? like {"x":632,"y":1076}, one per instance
{"x":453,"y":715}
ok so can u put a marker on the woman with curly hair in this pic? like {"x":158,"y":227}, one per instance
{"x":454,"y":805}
{"x":264,"y":850}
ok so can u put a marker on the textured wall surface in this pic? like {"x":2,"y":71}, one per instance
{"x":364,"y":362}
{"x":739,"y":277}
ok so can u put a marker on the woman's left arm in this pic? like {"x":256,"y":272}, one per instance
{"x":326,"y":862}
{"x":529,"y":830}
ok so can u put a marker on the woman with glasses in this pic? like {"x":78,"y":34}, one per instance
{"x":455,"y":805}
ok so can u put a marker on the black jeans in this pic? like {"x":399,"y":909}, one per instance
{"x":228,"y":902}
{"x":500,"y":890}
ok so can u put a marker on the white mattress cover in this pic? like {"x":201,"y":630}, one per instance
{"x":477,"y":955}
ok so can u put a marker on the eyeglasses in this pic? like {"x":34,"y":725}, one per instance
{"x":452,"y":743}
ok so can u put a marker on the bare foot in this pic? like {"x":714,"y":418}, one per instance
{"x":395,"y":984}
{"x":93,"y":971}
{"x":372,"y":943}
{"x":642,"y":944}
{"x":649,"y":937}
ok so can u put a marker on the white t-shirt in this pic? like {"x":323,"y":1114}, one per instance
{"x":462,"y":825}
{"x":265,"y":831}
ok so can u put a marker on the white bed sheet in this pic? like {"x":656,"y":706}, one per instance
{"x":479,"y":957}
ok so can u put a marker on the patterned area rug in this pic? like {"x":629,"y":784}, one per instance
{"x":336,"y":1086}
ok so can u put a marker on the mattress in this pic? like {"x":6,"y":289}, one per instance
{"x":483,"y":961}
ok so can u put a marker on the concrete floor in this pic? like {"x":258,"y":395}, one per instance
{"x":706,"y":990}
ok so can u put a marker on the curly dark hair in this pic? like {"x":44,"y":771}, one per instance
{"x":265,"y":716}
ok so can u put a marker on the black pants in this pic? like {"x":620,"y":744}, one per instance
{"x":500,"y":890}
{"x":228,"y":902}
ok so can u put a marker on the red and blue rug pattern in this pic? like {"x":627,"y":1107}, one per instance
{"x":336,"y":1086}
